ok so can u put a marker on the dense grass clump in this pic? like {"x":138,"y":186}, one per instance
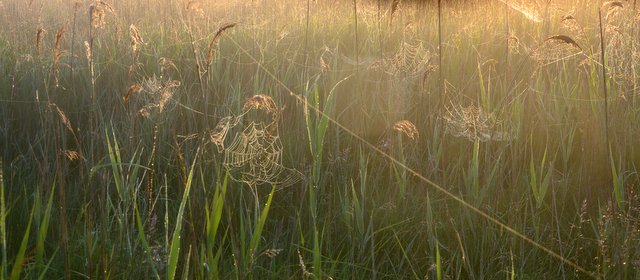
{"x":319,"y":139}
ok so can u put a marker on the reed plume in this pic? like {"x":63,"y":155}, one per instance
{"x":214,"y":40}
{"x":136,"y":39}
{"x":57,"y":53}
{"x":395,"y":4}
{"x":39,"y":36}
{"x":97,"y":13}
{"x":565,"y":39}
{"x":407,"y":128}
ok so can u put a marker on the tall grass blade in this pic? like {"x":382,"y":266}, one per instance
{"x":618,"y":185}
{"x":185,"y":272}
{"x":3,"y":226}
{"x":18,"y":263}
{"x":438,"y":263}
{"x":143,"y":240}
{"x":214,"y":216}
{"x":174,"y":253}
{"x":317,"y":256}
{"x":257,"y":232}
{"x":116,"y":163}
{"x":44,"y":227}
{"x":43,"y":272}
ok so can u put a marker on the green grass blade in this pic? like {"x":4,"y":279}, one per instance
{"x":185,"y":272}
{"x":19,"y":261}
{"x":533,"y":180}
{"x":44,"y":226}
{"x":475,"y":171}
{"x":216,"y":215}
{"x":257,"y":232}
{"x":618,"y":186}
{"x":438,"y":263}
{"x":143,"y":240}
{"x":317,"y":256}
{"x":43,"y":273}
{"x":323,"y":125}
{"x":3,"y":226}
{"x":115,"y":162}
{"x":175,"y":239}
{"x":405,"y":256}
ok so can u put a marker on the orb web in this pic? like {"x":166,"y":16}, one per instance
{"x":251,"y":145}
{"x":473,"y":123}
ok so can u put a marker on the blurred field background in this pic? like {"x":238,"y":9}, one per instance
{"x":319,"y":139}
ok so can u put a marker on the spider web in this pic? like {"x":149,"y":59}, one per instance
{"x":253,"y":152}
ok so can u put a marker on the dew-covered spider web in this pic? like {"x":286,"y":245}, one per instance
{"x":251,"y":145}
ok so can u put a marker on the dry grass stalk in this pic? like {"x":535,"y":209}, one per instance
{"x":136,"y":40}
{"x":556,"y":48}
{"x":407,"y":128}
{"x":215,"y":38}
{"x":303,"y":267}
{"x":71,"y":155}
{"x":565,"y":39}
{"x":63,"y":117}
{"x":97,"y":13}
{"x":395,"y":4}
{"x":271,"y":253}
{"x":39,"y":36}
{"x":89,"y":55}
{"x":133,"y":89}
{"x":324,"y":67}
{"x":611,"y":4}
{"x":57,"y":53}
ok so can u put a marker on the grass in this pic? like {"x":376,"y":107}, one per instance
{"x":391,"y":140}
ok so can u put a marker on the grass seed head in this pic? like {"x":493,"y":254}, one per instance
{"x":39,"y":36}
{"x":57,"y":54}
{"x":565,"y":39}
{"x":136,"y":39}
{"x":71,"y":155}
{"x":133,"y":89}
{"x":215,"y":39}
{"x":407,"y":128}
{"x":261,"y":102}
{"x":395,"y":4}
{"x":97,"y":13}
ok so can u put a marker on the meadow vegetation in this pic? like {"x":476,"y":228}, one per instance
{"x":363,"y":139}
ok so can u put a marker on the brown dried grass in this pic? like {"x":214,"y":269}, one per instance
{"x":136,"y":40}
{"x":39,"y":37}
{"x":57,"y":54}
{"x":133,"y":89}
{"x":407,"y":128}
{"x":97,"y":13}
{"x":395,"y":4}
{"x":261,"y":102}
{"x":215,"y":39}
{"x":564,"y":39}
